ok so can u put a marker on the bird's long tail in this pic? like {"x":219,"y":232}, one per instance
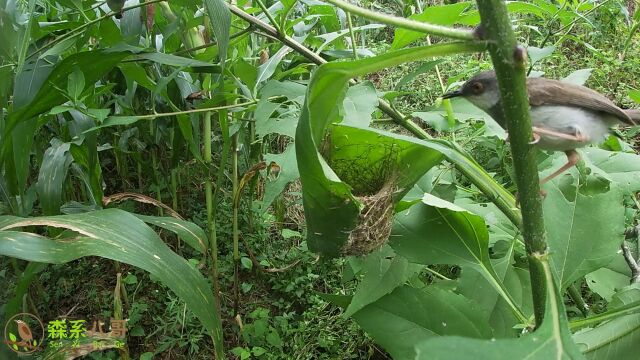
{"x":634,"y":114}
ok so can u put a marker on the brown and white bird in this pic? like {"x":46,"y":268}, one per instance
{"x":564,"y":116}
{"x":24,"y":331}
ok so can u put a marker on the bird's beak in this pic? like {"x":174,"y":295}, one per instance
{"x":452,"y":94}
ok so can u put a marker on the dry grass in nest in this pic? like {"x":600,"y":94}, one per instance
{"x":293,"y":198}
{"x":374,"y":222}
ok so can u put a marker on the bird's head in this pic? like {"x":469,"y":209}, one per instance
{"x":481,"y":90}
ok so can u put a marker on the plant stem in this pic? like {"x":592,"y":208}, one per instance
{"x":574,"y":294}
{"x":268,"y":15}
{"x":193,"y":111}
{"x":234,"y":221}
{"x":627,"y":309}
{"x":509,"y":61}
{"x":353,"y":37}
{"x":446,"y":103}
{"x":432,"y":29}
{"x":209,"y":199}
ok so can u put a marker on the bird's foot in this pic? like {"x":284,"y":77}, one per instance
{"x":536,"y":139}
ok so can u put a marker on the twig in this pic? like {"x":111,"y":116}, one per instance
{"x":633,"y":264}
{"x":444,"y":31}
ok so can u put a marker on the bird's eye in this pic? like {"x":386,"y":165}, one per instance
{"x":477,"y":87}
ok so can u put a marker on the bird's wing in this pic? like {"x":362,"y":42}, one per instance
{"x":546,"y":91}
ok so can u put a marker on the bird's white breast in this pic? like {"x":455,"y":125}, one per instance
{"x":593,"y":126}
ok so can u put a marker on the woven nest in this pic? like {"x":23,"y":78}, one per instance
{"x":374,"y":222}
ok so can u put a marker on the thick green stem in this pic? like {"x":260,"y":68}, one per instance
{"x":509,"y":61}
{"x":439,"y":30}
{"x":353,"y":37}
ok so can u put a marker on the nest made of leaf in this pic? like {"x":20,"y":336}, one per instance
{"x":374,"y":222}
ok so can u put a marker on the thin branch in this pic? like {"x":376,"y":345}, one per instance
{"x":193,"y":111}
{"x":432,"y":29}
{"x":269,"y":16}
{"x":633,"y":264}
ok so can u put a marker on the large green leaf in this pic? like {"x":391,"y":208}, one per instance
{"x":584,"y":219}
{"x":551,"y":341}
{"x":408,"y":316}
{"x":116,"y":235}
{"x":18,"y":143}
{"x":434,"y":231}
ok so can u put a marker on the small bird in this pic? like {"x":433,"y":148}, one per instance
{"x":24,"y":331}
{"x":116,"y":6}
{"x":564,"y":116}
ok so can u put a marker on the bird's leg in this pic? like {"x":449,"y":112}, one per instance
{"x":578,"y":136}
{"x":536,"y":138}
{"x":572,"y":159}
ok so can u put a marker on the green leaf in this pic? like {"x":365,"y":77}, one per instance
{"x":578,"y":77}
{"x":177,"y":61}
{"x":552,"y":340}
{"x":408,"y":316}
{"x":359,"y":103}
{"x":635,"y":94}
{"x":75,"y":85}
{"x":617,"y":338}
{"x":437,"y":15}
{"x":16,"y":147}
{"x":408,"y":78}
{"x":120,"y":236}
{"x":51,"y":178}
{"x":584,"y":220}
{"x":622,"y":168}
{"x":382,"y":272}
{"x":266,"y":70}
{"x":220,"y":18}
{"x":288,"y":173}
{"x":605,"y":282}
{"x":434,"y":231}
{"x":536,"y":54}
{"x":191,"y":233}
